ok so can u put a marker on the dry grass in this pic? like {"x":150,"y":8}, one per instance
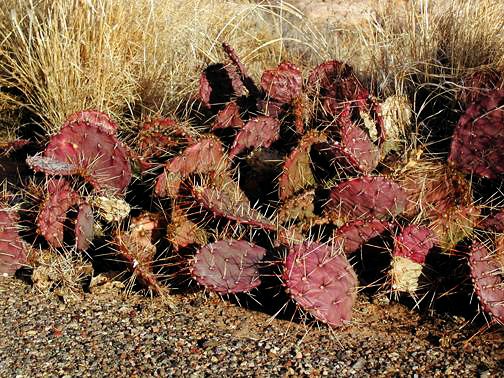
{"x":144,"y":57}
{"x":126,"y":57}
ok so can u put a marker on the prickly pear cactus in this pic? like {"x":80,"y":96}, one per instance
{"x":228,"y":117}
{"x":50,"y":221}
{"x":297,"y":173}
{"x":478,"y":141}
{"x":282,"y":83}
{"x":84,"y":226}
{"x":367,"y":197}
{"x":228,"y":266}
{"x":355,"y":234}
{"x":12,"y":248}
{"x":411,"y":248}
{"x":260,"y":131}
{"x":135,"y":247}
{"x":101,"y":158}
{"x":204,"y":156}
{"x":321,"y":281}
{"x":487,"y":277}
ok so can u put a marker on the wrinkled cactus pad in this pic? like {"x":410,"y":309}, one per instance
{"x":355,"y":234}
{"x":336,"y":84}
{"x":487,"y":277}
{"x":321,"y":280}
{"x":260,"y":131}
{"x":204,"y":156}
{"x":50,"y":221}
{"x":12,"y":248}
{"x":228,"y":266}
{"x":231,"y":203}
{"x":367,"y":197}
{"x":297,"y":173}
{"x":135,"y":247}
{"x":84,"y":226}
{"x":478,"y":141}
{"x":282,"y":83}
{"x":228,"y":117}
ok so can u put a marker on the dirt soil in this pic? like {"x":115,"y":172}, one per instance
{"x":201,"y":335}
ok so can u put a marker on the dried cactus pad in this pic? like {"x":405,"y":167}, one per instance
{"x":367,"y":197}
{"x":12,"y":250}
{"x":136,"y":248}
{"x":282,"y":83}
{"x":51,"y":166}
{"x":228,"y":266}
{"x":260,"y":131}
{"x":478,"y":141}
{"x":84,"y":226}
{"x":231,"y":203}
{"x":100,"y":156}
{"x":487,"y":277}
{"x":297,"y":173}
{"x":321,"y":280}
{"x":51,"y":218}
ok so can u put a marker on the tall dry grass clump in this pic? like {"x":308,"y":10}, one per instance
{"x":127,"y":56}
{"x":432,"y":42}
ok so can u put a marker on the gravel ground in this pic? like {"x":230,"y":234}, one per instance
{"x":110,"y":334}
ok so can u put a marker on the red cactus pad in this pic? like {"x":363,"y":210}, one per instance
{"x":321,"y":281}
{"x":100,"y":156}
{"x":357,"y":144}
{"x":95,"y":118}
{"x":414,"y":243}
{"x":478,"y":141}
{"x":282,"y":83}
{"x":51,"y":166}
{"x":228,"y":117}
{"x":136,"y":248}
{"x":356,"y":233}
{"x":478,"y":83}
{"x":231,"y":203}
{"x":158,"y":136}
{"x":205,"y":156}
{"x":367,"y":197}
{"x":336,"y":84}
{"x":487,"y":279}
{"x":495,"y":222}
{"x":51,"y":218}
{"x":84,"y":230}
{"x":218,"y":83}
{"x":297,"y":173}
{"x":260,"y":131}
{"x":12,"y":248}
{"x":228,"y":266}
